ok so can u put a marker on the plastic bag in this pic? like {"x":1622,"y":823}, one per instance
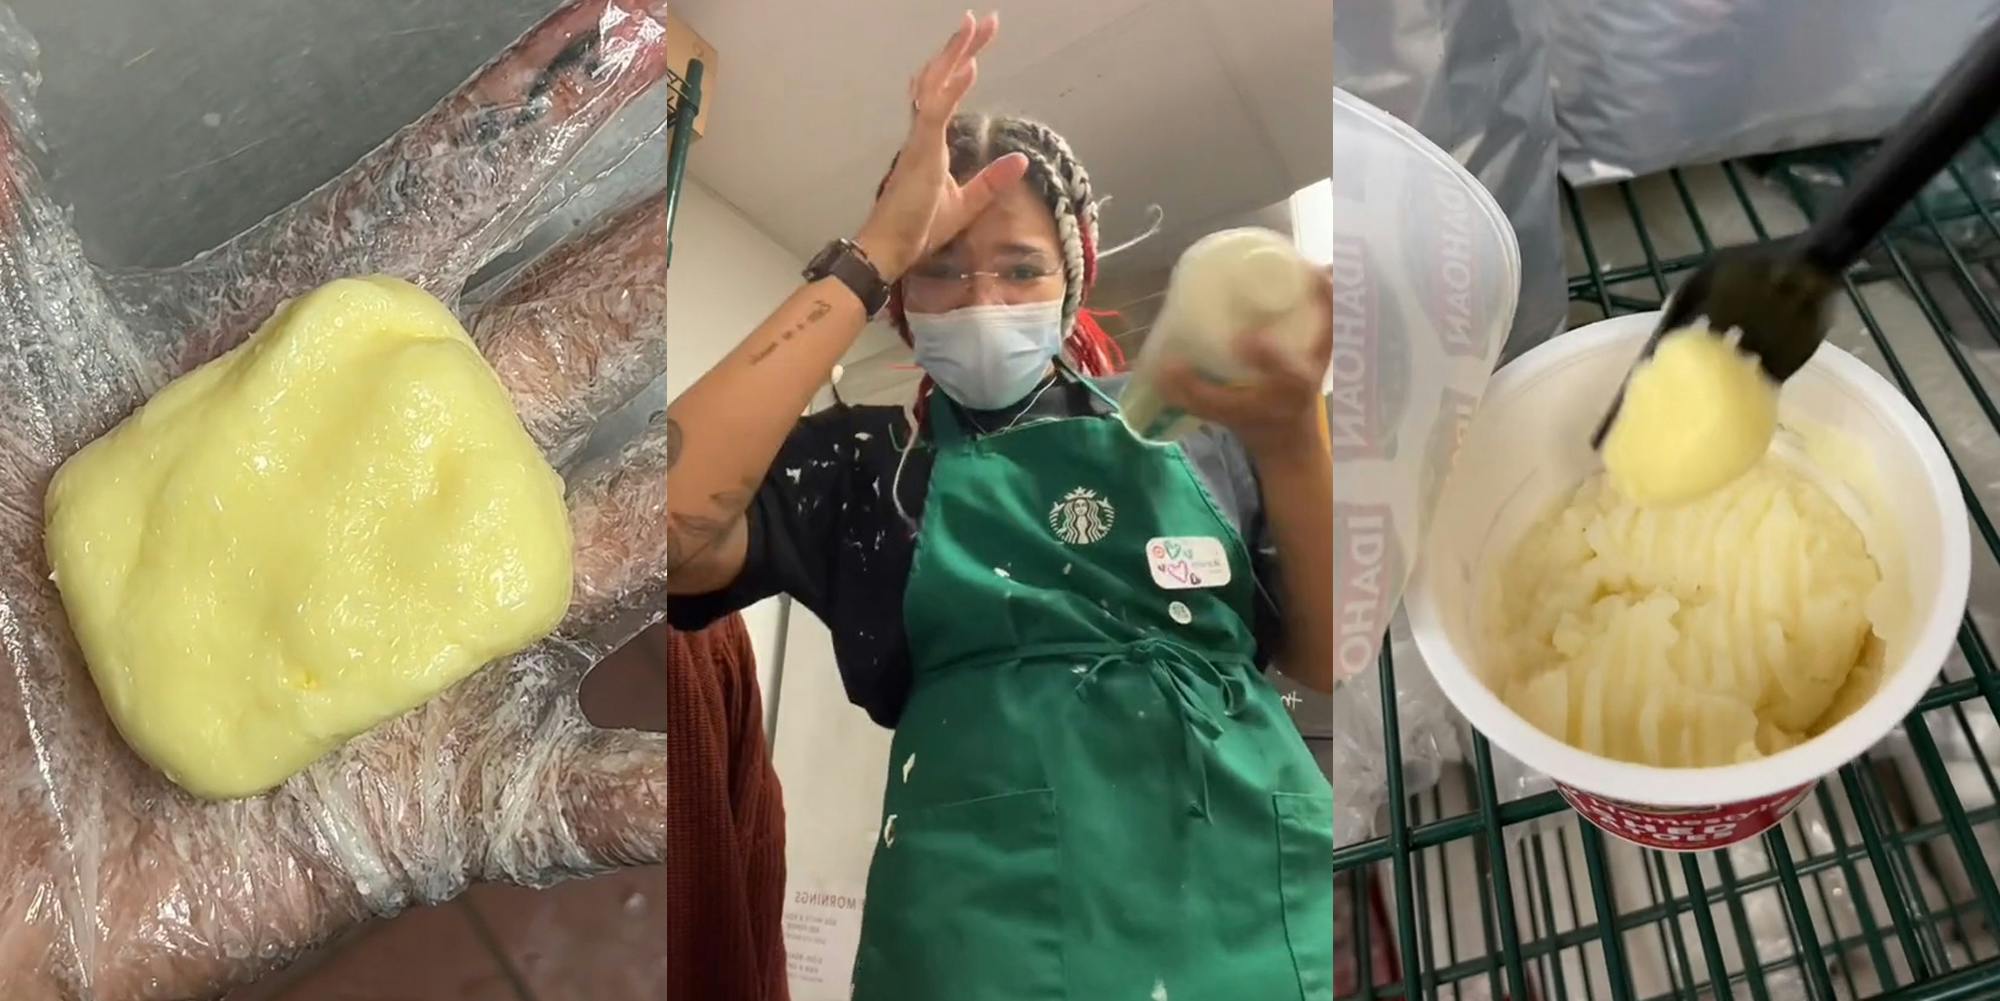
{"x":1472,"y":77}
{"x":120,"y":886}
{"x":1643,"y":85}
{"x":1426,"y":728}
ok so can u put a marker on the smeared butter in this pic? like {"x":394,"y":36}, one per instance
{"x":305,"y":537}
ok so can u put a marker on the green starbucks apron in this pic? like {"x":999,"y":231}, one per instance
{"x":1092,"y":794}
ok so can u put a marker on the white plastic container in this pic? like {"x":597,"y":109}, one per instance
{"x":1528,"y":446}
{"x":1426,"y":272}
{"x":1224,"y":286}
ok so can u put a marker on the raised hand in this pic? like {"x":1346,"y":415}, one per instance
{"x":118,"y":885}
{"x":922,"y":206}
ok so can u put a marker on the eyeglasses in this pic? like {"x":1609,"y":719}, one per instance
{"x":939,"y":283}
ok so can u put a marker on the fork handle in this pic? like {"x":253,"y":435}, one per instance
{"x":1957,"y":107}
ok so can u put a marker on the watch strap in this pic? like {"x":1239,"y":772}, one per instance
{"x":844,"y":260}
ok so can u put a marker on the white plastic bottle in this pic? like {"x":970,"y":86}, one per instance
{"x":1225,"y":286}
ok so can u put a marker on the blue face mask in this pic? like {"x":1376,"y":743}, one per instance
{"x":987,"y":357}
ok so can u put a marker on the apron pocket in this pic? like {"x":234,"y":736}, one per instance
{"x":964,"y":903}
{"x":1305,"y":878}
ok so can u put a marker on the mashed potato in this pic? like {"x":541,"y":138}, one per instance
{"x":1720,"y":630}
{"x":1696,"y":415}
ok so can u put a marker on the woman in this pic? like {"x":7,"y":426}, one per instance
{"x":1093,"y":792}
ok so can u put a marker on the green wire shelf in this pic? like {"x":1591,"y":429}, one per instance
{"x":684,"y":97}
{"x":1881,"y":885}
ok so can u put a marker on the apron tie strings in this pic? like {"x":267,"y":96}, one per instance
{"x":1175,"y":669}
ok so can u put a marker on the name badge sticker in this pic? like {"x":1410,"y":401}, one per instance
{"x":1181,"y":563}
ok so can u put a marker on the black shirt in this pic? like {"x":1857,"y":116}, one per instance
{"x":824,"y":529}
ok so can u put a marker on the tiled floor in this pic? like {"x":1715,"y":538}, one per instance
{"x":600,"y":939}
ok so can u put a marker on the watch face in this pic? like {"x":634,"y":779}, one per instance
{"x":841,"y":259}
{"x":822,"y":260}
{"x":827,"y":256}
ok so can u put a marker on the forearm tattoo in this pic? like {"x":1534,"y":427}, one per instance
{"x":813,"y":316}
{"x":696,"y":535}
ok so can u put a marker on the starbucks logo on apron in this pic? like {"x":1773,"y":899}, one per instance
{"x":1081,"y":517}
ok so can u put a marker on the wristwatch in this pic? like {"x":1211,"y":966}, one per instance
{"x":844,"y":259}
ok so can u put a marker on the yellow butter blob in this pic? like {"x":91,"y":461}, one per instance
{"x":305,"y":537}
{"x":1713,"y":632}
{"x":1696,"y":415}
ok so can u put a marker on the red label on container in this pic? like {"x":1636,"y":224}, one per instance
{"x":1367,"y":567}
{"x":1368,"y":375}
{"x":1445,"y":267}
{"x":1684,"y":828}
{"x":1455,"y":411}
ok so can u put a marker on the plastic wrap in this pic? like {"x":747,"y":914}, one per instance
{"x":1426,"y":731}
{"x":120,"y":886}
{"x":1643,"y":85}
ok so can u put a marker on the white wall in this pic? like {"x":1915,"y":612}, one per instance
{"x":726,"y":277}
